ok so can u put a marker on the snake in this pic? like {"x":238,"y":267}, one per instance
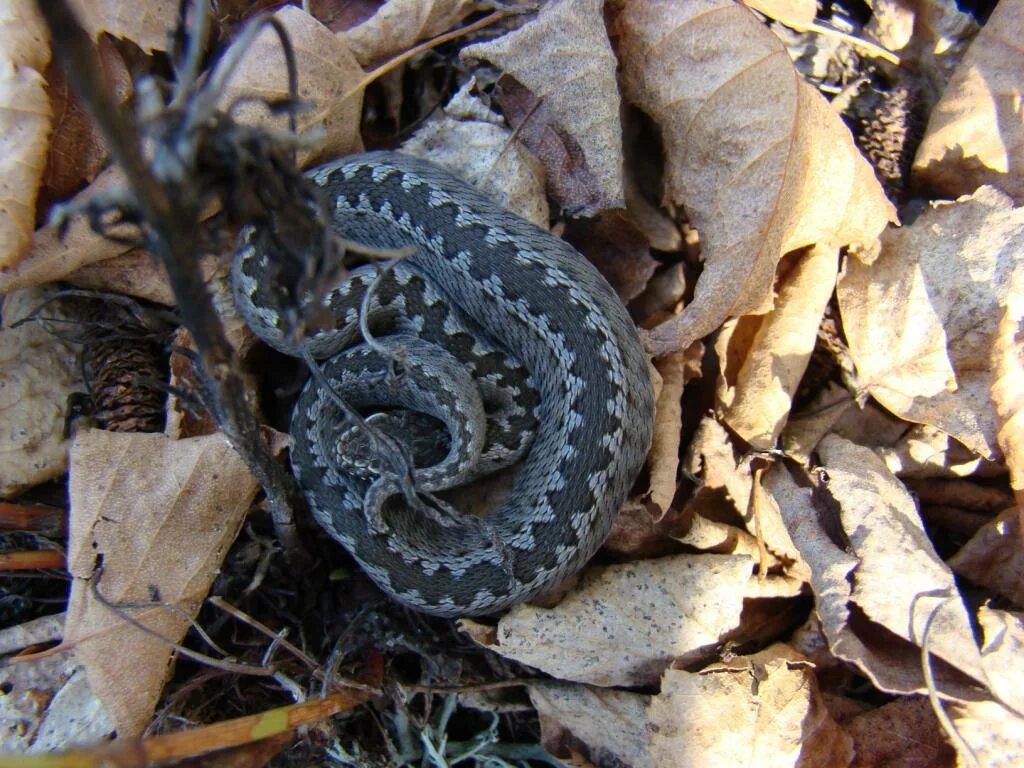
{"x":493,"y":349}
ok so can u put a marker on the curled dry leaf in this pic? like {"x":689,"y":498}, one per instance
{"x":902,"y":734}
{"x":624,"y":624}
{"x":564,"y":58}
{"x":38,"y":372}
{"x":921,"y":319}
{"x":763,"y":709}
{"x":994,"y":730}
{"x":847,"y":590}
{"x":612,"y":724}
{"x":663,"y":461}
{"x":400,"y":24}
{"x":792,"y":13}
{"x":1008,"y":384}
{"x":161,"y":514}
{"x":77,"y":147}
{"x":474,"y":143}
{"x":756,"y":387}
{"x":975,"y":133}
{"x":53,"y":257}
{"x":328,"y":73}
{"x":25,"y":122}
{"x":146,"y":24}
{"x":929,"y":452}
{"x":614,"y":244}
{"x":994,"y":556}
{"x":712,"y":717}
{"x":885,"y":532}
{"x":755,"y":154}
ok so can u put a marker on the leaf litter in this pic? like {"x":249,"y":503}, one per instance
{"x":838,"y":392}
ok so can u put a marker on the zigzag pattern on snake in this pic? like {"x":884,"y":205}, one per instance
{"x":501,"y":332}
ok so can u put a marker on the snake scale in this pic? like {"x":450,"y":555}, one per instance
{"x":505,"y":335}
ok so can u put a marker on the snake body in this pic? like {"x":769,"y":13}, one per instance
{"x":501,"y":332}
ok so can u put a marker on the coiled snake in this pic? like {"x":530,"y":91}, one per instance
{"x":508,"y":337}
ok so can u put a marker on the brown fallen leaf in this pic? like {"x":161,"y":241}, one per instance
{"x":870,"y":636}
{"x":1008,"y":384}
{"x":77,"y":148}
{"x":756,"y":388}
{"x":901,"y":734}
{"x":573,"y":75}
{"x":879,"y":519}
{"x":159,"y":515}
{"x":148,"y":24}
{"x":755,"y":154}
{"x":613,"y":243}
{"x":763,"y":709}
{"x":327,"y":75}
{"x":25,"y":124}
{"x":664,"y":457}
{"x":52,"y":257}
{"x":975,"y":133}
{"x":610,"y":723}
{"x":475,"y":144}
{"x":921,"y":319}
{"x":400,"y":24}
{"x":792,"y":13}
{"x":994,"y":557}
{"x":623,"y":624}
{"x":38,"y":372}
{"x":992,"y":732}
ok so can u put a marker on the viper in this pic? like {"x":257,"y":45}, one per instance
{"x":493,"y":347}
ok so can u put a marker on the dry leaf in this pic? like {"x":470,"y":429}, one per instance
{"x":756,"y":394}
{"x":994,"y":730}
{"x":994,"y":557}
{"x":474,"y":143}
{"x":891,"y":663}
{"x":52,"y":257}
{"x":921,"y":319}
{"x":400,"y":24}
{"x":159,"y":514}
{"x":755,"y":154}
{"x":25,"y":122}
{"x":327,"y":73}
{"x":816,"y":419}
{"x":925,"y":452}
{"x":901,"y":734}
{"x":792,"y":13}
{"x":663,"y":460}
{"x":994,"y":733}
{"x":885,"y":534}
{"x":1002,"y":654}
{"x":619,"y":250}
{"x":612,"y":724}
{"x":77,"y":147}
{"x":1008,"y":384}
{"x":569,"y":180}
{"x":45,"y":629}
{"x":763,"y":710}
{"x":147,"y":24}
{"x":47,"y":705}
{"x":624,"y":624}
{"x":38,"y":372}
{"x":135,"y":273}
{"x":975,"y":133}
{"x":564,"y":58}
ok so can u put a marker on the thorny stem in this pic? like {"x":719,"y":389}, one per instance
{"x":171,"y":209}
